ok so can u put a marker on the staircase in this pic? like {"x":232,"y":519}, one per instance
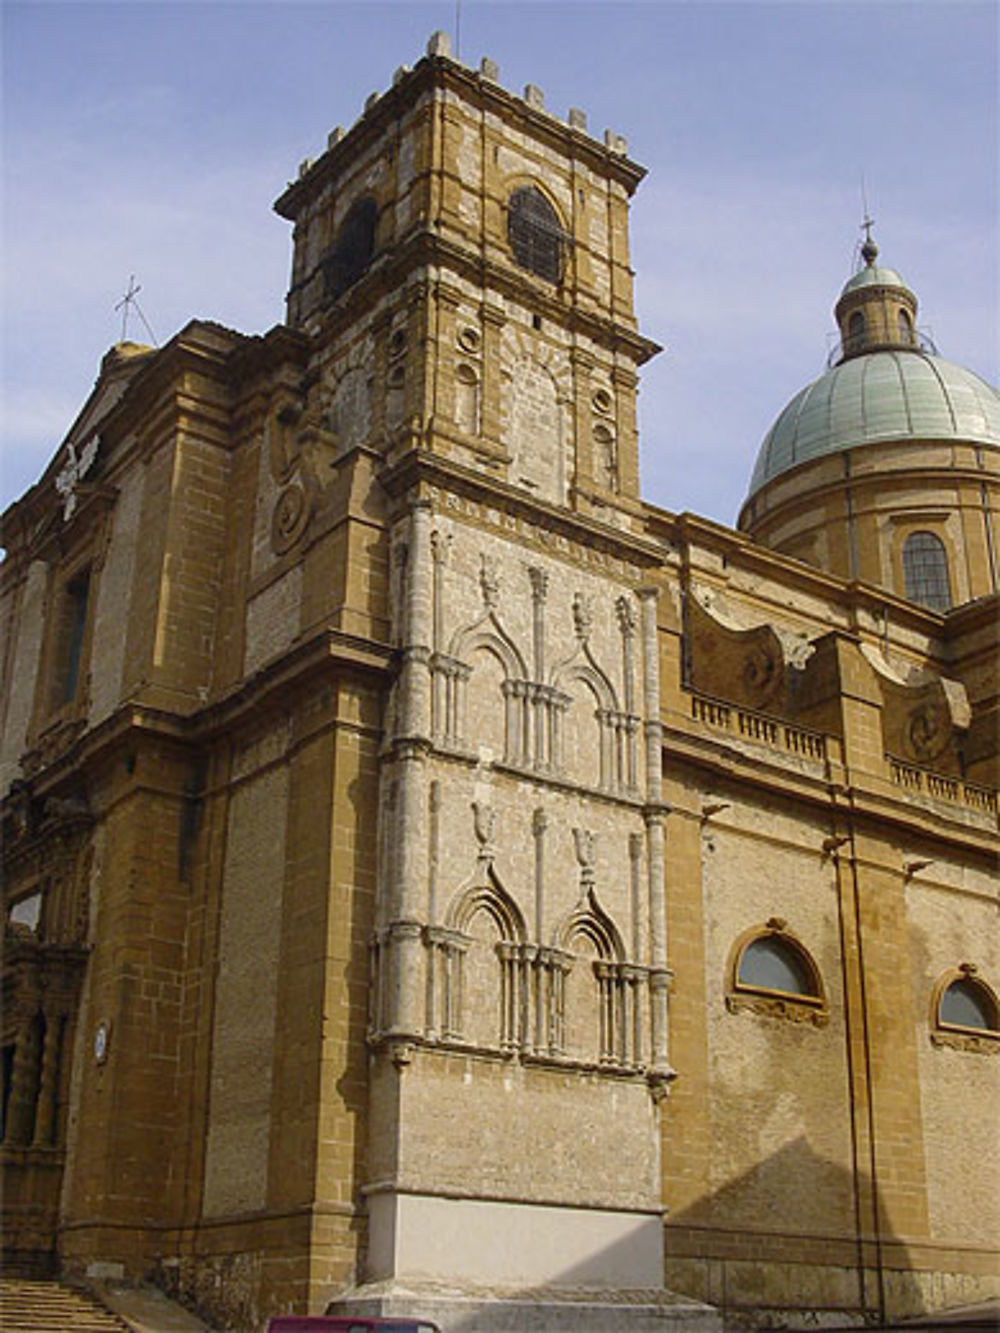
{"x":46,"y":1307}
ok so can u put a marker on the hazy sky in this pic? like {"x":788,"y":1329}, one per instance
{"x":152,"y":138}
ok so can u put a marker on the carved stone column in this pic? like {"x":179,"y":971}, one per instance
{"x":655,"y":815}
{"x":415,"y":681}
{"x":45,"y":1110}
{"x":407,"y":889}
{"x":20,"y":1127}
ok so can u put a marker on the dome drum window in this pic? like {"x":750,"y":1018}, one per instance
{"x":965,"y":1012}
{"x":925,"y":571}
{"x":772,"y":974}
{"x":856,"y":333}
{"x":535,"y":235}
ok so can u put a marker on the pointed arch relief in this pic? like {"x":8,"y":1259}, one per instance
{"x":480,"y":688}
{"x":481,"y":964}
{"x":603,"y":997}
{"x":589,"y":920}
{"x":487,"y":894}
{"x":595,"y":750}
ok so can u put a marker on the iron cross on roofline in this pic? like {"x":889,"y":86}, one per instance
{"x":125,"y":305}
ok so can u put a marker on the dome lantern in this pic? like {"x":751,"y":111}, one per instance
{"x":876,"y":309}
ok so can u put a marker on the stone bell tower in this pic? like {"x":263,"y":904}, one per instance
{"x":463,"y":256}
{"x":461,"y":266}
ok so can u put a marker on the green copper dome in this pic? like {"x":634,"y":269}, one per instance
{"x":874,"y":275}
{"x":883,"y":395}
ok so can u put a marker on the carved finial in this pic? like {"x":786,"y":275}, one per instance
{"x":583,"y":843}
{"x":627,"y":619}
{"x":776,"y":923}
{"x":539,"y":583}
{"x":583,"y":615}
{"x":484,"y":823}
{"x":440,"y":546}
{"x":489,"y":580}
{"x":439,"y":44}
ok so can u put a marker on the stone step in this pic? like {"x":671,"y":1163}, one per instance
{"x":29,"y":1306}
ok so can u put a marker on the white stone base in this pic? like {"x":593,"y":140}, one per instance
{"x":513,"y":1245}
{"x":470,"y":1309}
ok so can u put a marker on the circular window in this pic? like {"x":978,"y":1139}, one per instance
{"x":468,"y":339}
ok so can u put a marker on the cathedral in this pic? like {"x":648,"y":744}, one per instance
{"x":438,"y":881}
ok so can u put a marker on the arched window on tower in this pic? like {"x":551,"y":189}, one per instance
{"x":352,"y":250}
{"x":925,"y":571}
{"x":855,"y":331}
{"x":534,"y":233}
{"x":905,"y":325}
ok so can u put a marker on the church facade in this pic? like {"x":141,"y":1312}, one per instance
{"x":437,"y":880}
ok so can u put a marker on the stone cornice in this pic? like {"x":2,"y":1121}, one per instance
{"x":325,"y":652}
{"x":424,"y":248}
{"x":853,"y":796}
{"x":421,"y":467}
{"x":433,"y":72}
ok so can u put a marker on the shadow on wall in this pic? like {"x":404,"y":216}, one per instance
{"x":744,"y":1249}
{"x":723,"y":1272}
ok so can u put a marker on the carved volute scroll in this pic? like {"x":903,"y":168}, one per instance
{"x":743,"y":666}
{"x":924,"y":717}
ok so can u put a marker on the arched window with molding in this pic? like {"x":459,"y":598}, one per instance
{"x":772,"y":973}
{"x":535,"y":234}
{"x":353,"y":249}
{"x":925,"y":571}
{"x":855,"y":331}
{"x":965,"y":1011}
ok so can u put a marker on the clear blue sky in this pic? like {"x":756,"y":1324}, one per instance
{"x":151,"y":138}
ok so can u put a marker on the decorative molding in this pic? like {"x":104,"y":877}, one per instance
{"x":981,"y":1043}
{"x":789,"y":1009}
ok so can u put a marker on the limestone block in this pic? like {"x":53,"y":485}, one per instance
{"x":27,"y":655}
{"x":246,"y":990}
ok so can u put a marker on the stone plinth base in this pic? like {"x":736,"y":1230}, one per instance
{"x":466,"y":1309}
